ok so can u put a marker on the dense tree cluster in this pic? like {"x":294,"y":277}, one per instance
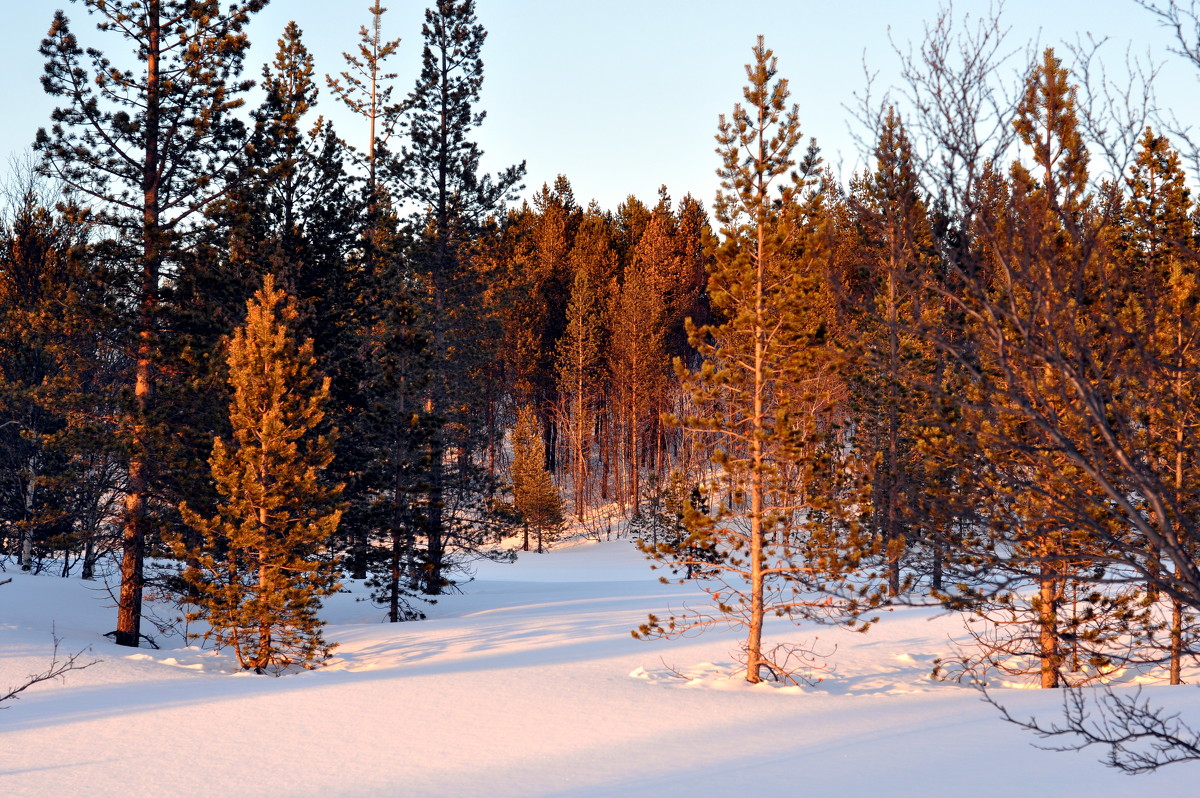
{"x":963,"y":378}
{"x":139,"y":446}
{"x":131,"y":352}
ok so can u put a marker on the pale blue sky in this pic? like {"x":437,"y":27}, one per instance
{"x":623,"y":95}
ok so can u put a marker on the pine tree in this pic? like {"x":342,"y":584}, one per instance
{"x":689,"y":299}
{"x":58,"y":479}
{"x":632,"y":218}
{"x":1049,"y":408}
{"x":34,"y":262}
{"x":535,"y":497}
{"x":537,"y":282}
{"x":553,"y":238}
{"x":256,"y":226}
{"x":438,"y":172}
{"x":364,"y":89}
{"x":891,"y":301}
{"x":770,"y":394}
{"x":660,"y":511}
{"x":263,"y":568}
{"x":391,"y":429}
{"x":579,"y":361}
{"x":1158,"y":248}
{"x":439,"y":169}
{"x":1050,"y":203}
{"x":283,"y":150}
{"x":304,"y":218}
{"x":146,"y":145}
{"x":638,"y":360}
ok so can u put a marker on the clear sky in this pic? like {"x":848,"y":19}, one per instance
{"x":623,"y":96}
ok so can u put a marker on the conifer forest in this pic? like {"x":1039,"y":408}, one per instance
{"x":250,"y":362}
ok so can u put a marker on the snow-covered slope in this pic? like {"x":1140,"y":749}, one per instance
{"x":527,"y":684}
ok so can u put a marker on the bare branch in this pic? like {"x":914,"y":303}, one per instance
{"x":57,"y":669}
{"x":1140,"y":737}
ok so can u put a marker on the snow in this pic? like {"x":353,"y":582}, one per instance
{"x":526,"y":684}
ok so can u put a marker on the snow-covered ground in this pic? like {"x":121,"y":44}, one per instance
{"x":527,"y":684}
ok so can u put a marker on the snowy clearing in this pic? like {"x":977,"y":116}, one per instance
{"x":527,"y":684}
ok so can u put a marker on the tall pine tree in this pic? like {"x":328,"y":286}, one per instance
{"x":770,"y":393}
{"x":890,"y":303}
{"x":147,"y":146}
{"x":438,"y":172}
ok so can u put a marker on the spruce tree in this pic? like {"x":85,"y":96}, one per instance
{"x":263,"y":565}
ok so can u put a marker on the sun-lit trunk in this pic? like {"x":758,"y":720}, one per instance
{"x":754,"y":657}
{"x":634,"y":487}
{"x":133,"y":539}
{"x":579,"y":429}
{"x":1176,"y":642}
{"x":262,"y":653}
{"x":1049,"y":653}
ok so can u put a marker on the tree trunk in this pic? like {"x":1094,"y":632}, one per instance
{"x":605,"y":453}
{"x":1048,"y":638}
{"x":634,"y":497}
{"x":89,"y":557}
{"x":133,"y":539}
{"x":401,"y":554}
{"x":435,"y":533}
{"x":1176,"y":676}
{"x":579,"y":428}
{"x":262,"y":654}
{"x":1176,"y":642}
{"x":30,"y":474}
{"x":754,"y":657}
